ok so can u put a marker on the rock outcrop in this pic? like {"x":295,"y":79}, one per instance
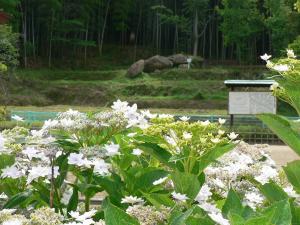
{"x":178,"y":59}
{"x":157,"y":63}
{"x":135,"y":69}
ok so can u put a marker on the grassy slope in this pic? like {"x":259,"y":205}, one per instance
{"x":196,"y":90}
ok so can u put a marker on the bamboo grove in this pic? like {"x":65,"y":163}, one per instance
{"x":218,"y":30}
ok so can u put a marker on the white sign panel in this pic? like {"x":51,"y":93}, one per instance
{"x":251,"y":103}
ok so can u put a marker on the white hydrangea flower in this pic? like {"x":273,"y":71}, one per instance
{"x":148,"y":114}
{"x":31,"y":152}
{"x":232,"y":136}
{"x":12,"y":222}
{"x":184,"y":118}
{"x":215,"y":140}
{"x":11,"y":172}
{"x":78,"y":160}
{"x":218,"y":218}
{"x":253,"y":199}
{"x":221,"y":121}
{"x":281,"y":68}
{"x":187,"y":135}
{"x":179,"y":197}
{"x":101,"y":167}
{"x":265,"y":57}
{"x":274,"y":86}
{"x":2,"y":141}
{"x":137,"y":152}
{"x":290,"y":53}
{"x":203,"y":194}
{"x":291,"y":192}
{"x":132,"y":200}
{"x":205,"y":123}
{"x":221,"y":132}
{"x":112,"y":149}
{"x":119,"y":106}
{"x":3,"y":196}
{"x":267,"y":173}
{"x":40,"y":171}
{"x":84,"y":218}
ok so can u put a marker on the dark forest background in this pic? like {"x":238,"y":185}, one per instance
{"x":232,"y":31}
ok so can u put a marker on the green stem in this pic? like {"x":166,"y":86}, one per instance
{"x":87,"y":203}
{"x":88,"y":198}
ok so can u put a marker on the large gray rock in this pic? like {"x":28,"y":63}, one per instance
{"x":135,"y":69}
{"x":157,"y":63}
{"x":178,"y":59}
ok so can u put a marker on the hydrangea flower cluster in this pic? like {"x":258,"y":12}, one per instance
{"x":233,"y":170}
{"x":144,"y":167}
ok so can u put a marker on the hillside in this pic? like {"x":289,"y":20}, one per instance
{"x":176,"y":88}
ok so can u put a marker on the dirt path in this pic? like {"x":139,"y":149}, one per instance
{"x":282,"y":154}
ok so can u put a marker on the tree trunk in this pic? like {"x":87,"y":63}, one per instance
{"x":103,"y":28}
{"x":196,"y":36}
{"x":86,"y":39}
{"x":50,"y":41}
{"x":24,"y":26}
{"x":137,"y":33}
{"x":33,"y":35}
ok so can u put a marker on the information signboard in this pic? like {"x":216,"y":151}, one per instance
{"x":245,"y":103}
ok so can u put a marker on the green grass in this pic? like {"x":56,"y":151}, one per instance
{"x":62,"y":108}
{"x":190,"y":90}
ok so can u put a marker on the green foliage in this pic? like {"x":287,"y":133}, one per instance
{"x":279,"y":24}
{"x":295,"y":45}
{"x":116,"y":216}
{"x":8,"y":48}
{"x":241,"y":20}
{"x":292,"y":171}
{"x":285,"y":211}
{"x":282,"y":127}
{"x":279,"y":212}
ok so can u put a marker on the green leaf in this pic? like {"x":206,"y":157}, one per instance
{"x":147,"y":176}
{"x":116,"y":216}
{"x":282,"y":213}
{"x":182,"y":217}
{"x":17,"y":199}
{"x":283,"y":129}
{"x":265,"y":219}
{"x":273,"y":192}
{"x":158,"y":153}
{"x":295,"y":209}
{"x":112,"y":185}
{"x":63,"y":170}
{"x":186,"y":183}
{"x":233,"y":204}
{"x":199,"y":216}
{"x":292,"y":171}
{"x":214,"y":154}
{"x":73,"y":202}
{"x":158,"y":199}
{"x":236,"y":219}
{"x":6,"y":160}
